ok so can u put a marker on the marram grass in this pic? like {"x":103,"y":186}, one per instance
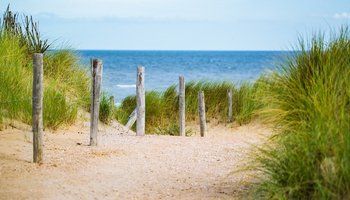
{"x":66,"y":84}
{"x":162,"y":108}
{"x":106,"y":109}
{"x":63,"y":93}
{"x":308,"y":101}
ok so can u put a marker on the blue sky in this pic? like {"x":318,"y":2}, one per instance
{"x":182,"y":24}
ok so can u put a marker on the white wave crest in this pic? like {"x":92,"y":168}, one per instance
{"x":126,"y":86}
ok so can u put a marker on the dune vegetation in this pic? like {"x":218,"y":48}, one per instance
{"x":162,"y":108}
{"x":308,"y":102}
{"x":66,"y":83}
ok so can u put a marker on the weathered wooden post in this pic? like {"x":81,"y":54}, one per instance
{"x":201,"y":111}
{"x":140,"y":100}
{"x":182,"y":105}
{"x":132,"y":119}
{"x":95,"y":99}
{"x":229,"y":96}
{"x":37,"y":107}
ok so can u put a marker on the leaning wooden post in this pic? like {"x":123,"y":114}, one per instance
{"x":201,"y":111}
{"x":182,"y":105}
{"x":229,"y":96}
{"x":140,"y":99}
{"x":132,"y":119}
{"x":37,"y":107}
{"x":95,"y":99}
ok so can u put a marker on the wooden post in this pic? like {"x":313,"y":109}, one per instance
{"x":140,"y":99}
{"x":182,"y":105}
{"x":37,"y":107}
{"x":95,"y":99}
{"x":229,"y":96}
{"x":201,"y":111}
{"x":132,"y":119}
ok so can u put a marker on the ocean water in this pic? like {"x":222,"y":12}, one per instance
{"x":163,"y":68}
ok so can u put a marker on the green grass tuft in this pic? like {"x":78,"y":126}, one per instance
{"x":106,"y":109}
{"x":308,"y":100}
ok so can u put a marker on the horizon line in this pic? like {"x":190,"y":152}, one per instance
{"x":203,"y":50}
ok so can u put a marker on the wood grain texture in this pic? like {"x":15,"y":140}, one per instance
{"x":201,"y":112}
{"x":95,"y":99}
{"x":182,"y":106}
{"x":229,"y":99}
{"x":140,"y":100}
{"x":37,"y":107}
{"x":132,"y":119}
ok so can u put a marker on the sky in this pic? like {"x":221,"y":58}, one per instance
{"x":182,"y":24}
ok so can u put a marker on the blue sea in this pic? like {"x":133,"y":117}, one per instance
{"x":163,"y":68}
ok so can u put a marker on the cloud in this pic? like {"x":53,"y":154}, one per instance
{"x":164,"y":10}
{"x":343,"y":15}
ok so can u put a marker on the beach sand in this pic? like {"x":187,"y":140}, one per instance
{"x":124,"y":166}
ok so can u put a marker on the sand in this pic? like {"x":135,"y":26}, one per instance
{"x":125,"y":166}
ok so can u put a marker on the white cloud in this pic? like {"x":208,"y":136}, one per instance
{"x":139,"y":9}
{"x":343,"y":15}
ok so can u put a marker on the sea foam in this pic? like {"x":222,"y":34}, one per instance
{"x":126,"y":86}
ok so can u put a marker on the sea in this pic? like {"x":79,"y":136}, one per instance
{"x":163,"y":68}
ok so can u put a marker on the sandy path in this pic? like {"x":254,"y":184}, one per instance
{"x":124,"y":166}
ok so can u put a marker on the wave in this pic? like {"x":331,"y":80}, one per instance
{"x":126,"y":86}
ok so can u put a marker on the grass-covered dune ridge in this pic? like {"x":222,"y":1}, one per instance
{"x":63,"y":93}
{"x":308,"y":101}
{"x":66,"y":83}
{"x":162,"y":108}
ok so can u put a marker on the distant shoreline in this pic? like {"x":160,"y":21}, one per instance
{"x":150,"y":50}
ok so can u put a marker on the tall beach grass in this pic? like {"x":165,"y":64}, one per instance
{"x":308,"y":101}
{"x":162,"y":112}
{"x":66,"y":83}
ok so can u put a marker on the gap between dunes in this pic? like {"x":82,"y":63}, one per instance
{"x":124,"y":166}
